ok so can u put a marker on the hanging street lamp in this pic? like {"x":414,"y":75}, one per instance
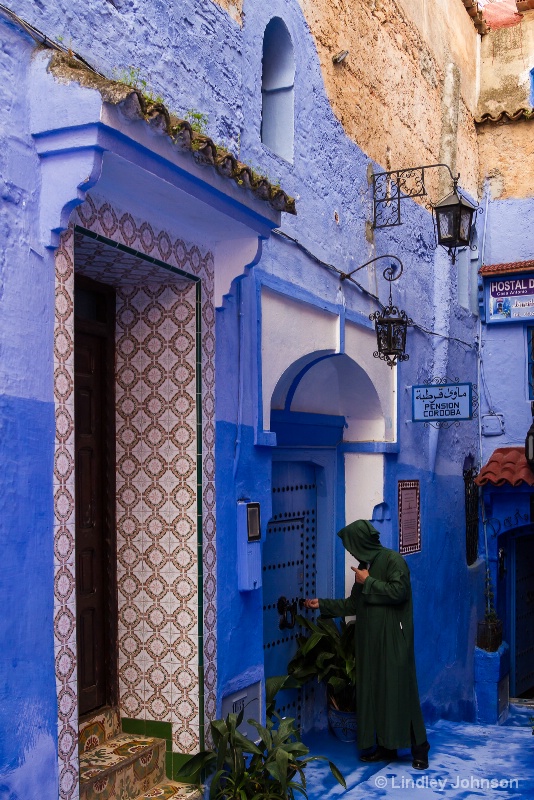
{"x":453,"y":215}
{"x":454,"y":221}
{"x":391,"y":323}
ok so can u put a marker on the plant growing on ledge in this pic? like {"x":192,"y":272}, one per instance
{"x":272,"y":768}
{"x":489,"y":632}
{"x":327,"y":653}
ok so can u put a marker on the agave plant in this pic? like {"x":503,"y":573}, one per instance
{"x":272,"y":768}
{"x":327,"y":653}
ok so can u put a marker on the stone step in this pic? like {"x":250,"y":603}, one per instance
{"x":95,"y":729}
{"x":122,"y":768}
{"x":171,"y":790}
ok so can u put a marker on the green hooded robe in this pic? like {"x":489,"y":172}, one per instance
{"x":386,"y":691}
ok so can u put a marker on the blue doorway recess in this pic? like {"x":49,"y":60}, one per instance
{"x":289,"y":570}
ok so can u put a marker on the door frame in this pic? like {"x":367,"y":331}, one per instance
{"x":513,"y":536}
{"x":106,"y":331}
{"x":330,"y":516}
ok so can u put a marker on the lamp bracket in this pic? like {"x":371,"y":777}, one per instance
{"x":390,"y":188}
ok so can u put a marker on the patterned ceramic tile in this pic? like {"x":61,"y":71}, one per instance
{"x":156,"y":472}
{"x":171,"y":789}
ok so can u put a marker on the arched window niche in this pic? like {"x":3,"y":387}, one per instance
{"x":277,"y":90}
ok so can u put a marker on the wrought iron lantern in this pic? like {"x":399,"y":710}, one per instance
{"x":454,"y":221}
{"x":453,"y":216}
{"x":391,"y":323}
{"x":529,"y":442}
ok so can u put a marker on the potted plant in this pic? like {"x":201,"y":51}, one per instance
{"x":272,"y":768}
{"x":489,"y":630}
{"x":327,"y":653}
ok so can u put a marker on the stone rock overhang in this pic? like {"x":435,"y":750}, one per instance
{"x":506,"y":465}
{"x":509,"y":268}
{"x":91,"y":133}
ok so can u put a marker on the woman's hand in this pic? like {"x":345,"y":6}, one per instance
{"x":311,"y":602}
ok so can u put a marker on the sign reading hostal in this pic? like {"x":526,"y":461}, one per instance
{"x":510,"y":298}
{"x":441,"y":402}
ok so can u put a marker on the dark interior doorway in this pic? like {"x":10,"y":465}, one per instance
{"x":522,"y":678}
{"x":94,"y":437}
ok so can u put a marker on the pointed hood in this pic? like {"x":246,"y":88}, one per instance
{"x":361,"y":540}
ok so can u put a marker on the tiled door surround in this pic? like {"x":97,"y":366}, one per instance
{"x":165,"y":474}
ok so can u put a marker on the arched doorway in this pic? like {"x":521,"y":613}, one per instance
{"x":320,"y":403}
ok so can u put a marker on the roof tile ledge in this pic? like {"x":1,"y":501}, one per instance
{"x":507,"y":465}
{"x":506,"y":269}
{"x":506,"y":116}
{"x":472,"y":8}
{"x":135,"y":105}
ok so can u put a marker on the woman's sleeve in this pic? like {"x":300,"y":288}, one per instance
{"x":341,"y":608}
{"x":392,"y":591}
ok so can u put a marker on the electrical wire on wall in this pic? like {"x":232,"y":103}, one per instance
{"x":44,"y":40}
{"x":363,"y":290}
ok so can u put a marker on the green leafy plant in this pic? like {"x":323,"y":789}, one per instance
{"x":489,"y":630}
{"x":272,"y":768}
{"x":132,"y":77}
{"x":490,"y":614}
{"x":327,"y":653}
{"x":198,"y":121}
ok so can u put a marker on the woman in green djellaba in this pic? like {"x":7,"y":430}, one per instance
{"x":389,"y":713}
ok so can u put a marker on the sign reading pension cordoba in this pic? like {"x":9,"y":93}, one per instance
{"x":441,"y":402}
{"x":510,"y":298}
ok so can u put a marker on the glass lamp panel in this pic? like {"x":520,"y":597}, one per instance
{"x":445,"y":218}
{"x":464,"y":234}
{"x":398,"y":337}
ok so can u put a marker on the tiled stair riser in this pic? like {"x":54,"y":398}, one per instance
{"x":122,"y":769}
{"x":98,"y":729}
{"x":170,"y":790}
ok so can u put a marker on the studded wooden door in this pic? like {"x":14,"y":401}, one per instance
{"x":288,"y":569}
{"x":524,"y":617}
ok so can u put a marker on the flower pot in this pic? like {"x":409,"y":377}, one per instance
{"x":489,"y":635}
{"x":342,"y":724}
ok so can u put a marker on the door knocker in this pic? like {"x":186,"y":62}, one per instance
{"x":287,"y":611}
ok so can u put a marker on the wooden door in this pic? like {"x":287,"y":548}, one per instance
{"x":289,"y":568}
{"x":94,"y":539}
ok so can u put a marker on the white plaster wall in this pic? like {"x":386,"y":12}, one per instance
{"x":364,"y":489}
{"x":289,"y":331}
{"x":360,"y":344}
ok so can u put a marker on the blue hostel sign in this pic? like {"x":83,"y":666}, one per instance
{"x":442,"y":402}
{"x":510,"y":298}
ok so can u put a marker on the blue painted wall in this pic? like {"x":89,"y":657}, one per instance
{"x":197,"y":58}
{"x":329,"y":173}
{"x":28,"y":710}
{"x":504,"y":347}
{"x":505,"y":390}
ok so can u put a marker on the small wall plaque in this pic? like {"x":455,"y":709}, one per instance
{"x":409,"y":517}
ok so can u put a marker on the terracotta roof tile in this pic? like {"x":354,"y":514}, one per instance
{"x":471,"y":6}
{"x":500,"y":13}
{"x":505,"y":269}
{"x":134,"y":104}
{"x":506,"y":465}
{"x":506,"y":116}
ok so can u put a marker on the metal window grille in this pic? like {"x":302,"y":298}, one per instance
{"x":471,"y":516}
